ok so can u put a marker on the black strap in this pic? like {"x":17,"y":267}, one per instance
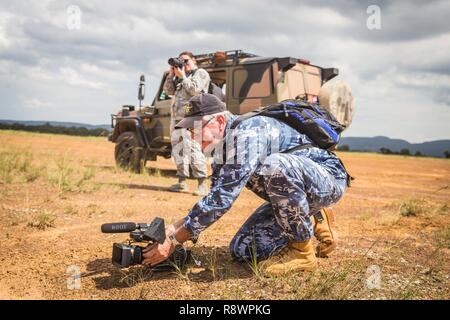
{"x":299,"y":147}
{"x":350,"y":178}
{"x":309,"y":145}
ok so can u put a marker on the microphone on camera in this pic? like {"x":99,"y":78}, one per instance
{"x":118,"y":227}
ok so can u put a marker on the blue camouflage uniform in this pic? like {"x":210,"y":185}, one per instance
{"x":294,"y":184}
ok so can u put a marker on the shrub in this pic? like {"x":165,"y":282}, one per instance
{"x":411,"y":207}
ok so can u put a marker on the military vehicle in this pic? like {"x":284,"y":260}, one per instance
{"x":247,"y":81}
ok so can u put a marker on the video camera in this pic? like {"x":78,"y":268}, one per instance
{"x":126,"y":254}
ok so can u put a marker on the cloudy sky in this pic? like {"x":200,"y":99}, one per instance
{"x":52,"y":70}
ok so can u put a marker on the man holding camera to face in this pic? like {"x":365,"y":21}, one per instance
{"x":185,"y":80}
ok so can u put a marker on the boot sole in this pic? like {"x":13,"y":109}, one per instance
{"x":179,"y":191}
{"x":285,"y":271}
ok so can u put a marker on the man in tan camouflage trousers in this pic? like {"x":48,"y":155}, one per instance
{"x":184,"y":84}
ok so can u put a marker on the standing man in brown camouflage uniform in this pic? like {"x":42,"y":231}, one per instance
{"x":185,"y":83}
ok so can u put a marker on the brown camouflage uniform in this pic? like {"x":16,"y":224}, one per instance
{"x":192,"y":84}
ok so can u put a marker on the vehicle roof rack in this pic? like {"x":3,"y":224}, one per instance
{"x":221,"y":56}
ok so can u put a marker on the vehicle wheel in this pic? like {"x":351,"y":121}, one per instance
{"x":128,"y":153}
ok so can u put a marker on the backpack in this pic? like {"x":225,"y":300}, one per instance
{"x":310,"y":119}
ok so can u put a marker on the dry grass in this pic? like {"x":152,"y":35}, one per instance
{"x":212,"y":264}
{"x":16,"y":166}
{"x":444,"y":237}
{"x":154,"y":172}
{"x":135,"y":276}
{"x":71,"y":177}
{"x":54,"y":198}
{"x":256,"y":267}
{"x":42,"y":220}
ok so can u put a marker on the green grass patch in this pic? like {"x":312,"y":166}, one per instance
{"x":41,"y":134}
{"x":17,"y":166}
{"x":70,"y":177}
{"x":411,"y":207}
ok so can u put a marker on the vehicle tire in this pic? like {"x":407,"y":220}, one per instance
{"x":128,"y":153}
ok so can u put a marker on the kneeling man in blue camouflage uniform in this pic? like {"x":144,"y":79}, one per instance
{"x":277,"y":163}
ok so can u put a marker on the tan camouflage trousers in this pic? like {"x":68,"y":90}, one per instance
{"x":187,"y":153}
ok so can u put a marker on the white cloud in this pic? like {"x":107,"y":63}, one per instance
{"x":424,"y":80}
{"x":72,"y":77}
{"x":36,"y":104}
{"x":397,"y":73}
{"x":5,"y":42}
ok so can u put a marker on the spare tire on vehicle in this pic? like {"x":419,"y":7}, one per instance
{"x":338,"y":98}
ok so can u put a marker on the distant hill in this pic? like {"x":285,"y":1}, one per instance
{"x":372,"y":144}
{"x":59,"y":124}
{"x":431,"y":148}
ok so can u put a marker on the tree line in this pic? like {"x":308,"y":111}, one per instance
{"x":48,"y":128}
{"x":403,"y":152}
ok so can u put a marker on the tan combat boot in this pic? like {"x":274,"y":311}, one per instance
{"x":296,"y":257}
{"x":202,"y":189}
{"x":180,"y":186}
{"x":324,"y":233}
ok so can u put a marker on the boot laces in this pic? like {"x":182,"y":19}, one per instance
{"x":284,"y":252}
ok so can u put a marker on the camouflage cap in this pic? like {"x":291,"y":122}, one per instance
{"x":199,"y":106}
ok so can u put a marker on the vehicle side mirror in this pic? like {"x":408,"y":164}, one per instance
{"x":141,"y":93}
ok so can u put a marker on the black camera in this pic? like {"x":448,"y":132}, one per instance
{"x":127,"y":254}
{"x":176,"y":62}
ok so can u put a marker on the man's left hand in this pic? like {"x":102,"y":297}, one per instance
{"x":156,"y":253}
{"x":179,"y":73}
